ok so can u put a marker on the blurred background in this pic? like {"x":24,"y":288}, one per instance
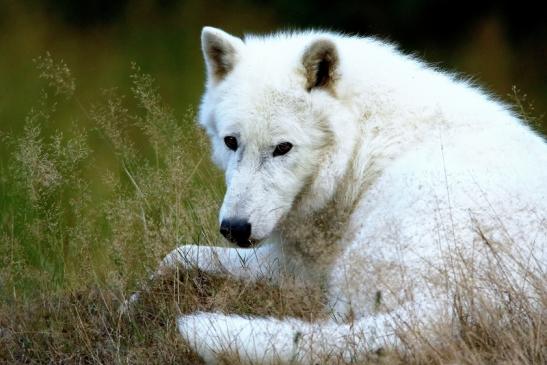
{"x":500,"y":44}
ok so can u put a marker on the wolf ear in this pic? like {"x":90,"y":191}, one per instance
{"x":220,"y":51}
{"x":321,"y":61}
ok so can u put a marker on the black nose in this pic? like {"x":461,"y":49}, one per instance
{"x":237,"y":231}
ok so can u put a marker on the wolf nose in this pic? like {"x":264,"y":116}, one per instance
{"x":237,"y":231}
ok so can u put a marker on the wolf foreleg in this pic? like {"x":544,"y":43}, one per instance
{"x":253,"y":340}
{"x":245,"y":264}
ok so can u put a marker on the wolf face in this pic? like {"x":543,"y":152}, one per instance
{"x":270,"y":120}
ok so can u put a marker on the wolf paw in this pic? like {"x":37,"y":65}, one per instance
{"x":245,"y":340}
{"x":206,"y":333}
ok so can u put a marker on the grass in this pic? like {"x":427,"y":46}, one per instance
{"x":77,"y":237}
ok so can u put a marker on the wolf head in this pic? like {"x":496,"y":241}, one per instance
{"x":277,"y":127}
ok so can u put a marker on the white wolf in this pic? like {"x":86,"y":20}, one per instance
{"x":362,"y":170}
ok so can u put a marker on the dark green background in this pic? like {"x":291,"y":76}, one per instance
{"x":499,"y":44}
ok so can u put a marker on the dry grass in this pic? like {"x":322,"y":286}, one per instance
{"x":85,"y":325}
{"x":76,"y":238}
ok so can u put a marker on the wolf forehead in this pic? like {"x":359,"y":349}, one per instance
{"x":264,"y":109}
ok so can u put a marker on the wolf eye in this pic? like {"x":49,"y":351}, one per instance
{"x":282,"y":149}
{"x":231,"y":142}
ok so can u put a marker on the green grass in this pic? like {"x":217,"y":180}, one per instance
{"x":75,"y":237}
{"x":63,"y":211}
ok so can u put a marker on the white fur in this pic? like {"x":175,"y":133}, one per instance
{"x":424,"y":163}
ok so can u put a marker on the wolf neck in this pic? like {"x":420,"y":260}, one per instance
{"x":316,"y":233}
